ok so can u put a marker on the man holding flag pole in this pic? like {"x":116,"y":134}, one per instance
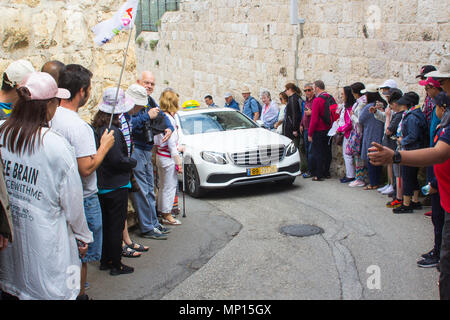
{"x":142,"y":123}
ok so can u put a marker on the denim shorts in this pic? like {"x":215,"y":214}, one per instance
{"x":93,"y":213}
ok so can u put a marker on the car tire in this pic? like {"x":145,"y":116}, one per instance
{"x":192,"y":181}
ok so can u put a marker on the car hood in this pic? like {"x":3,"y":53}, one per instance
{"x":233,"y":141}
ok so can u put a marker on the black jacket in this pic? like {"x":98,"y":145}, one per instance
{"x":115,"y":170}
{"x":292,"y":117}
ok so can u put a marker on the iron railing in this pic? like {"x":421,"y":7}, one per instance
{"x":150,"y":13}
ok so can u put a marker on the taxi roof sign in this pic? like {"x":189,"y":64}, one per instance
{"x":190,"y":105}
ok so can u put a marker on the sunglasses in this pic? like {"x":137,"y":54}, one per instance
{"x":308,"y":90}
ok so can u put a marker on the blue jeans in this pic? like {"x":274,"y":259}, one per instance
{"x":93,"y":213}
{"x":144,"y":201}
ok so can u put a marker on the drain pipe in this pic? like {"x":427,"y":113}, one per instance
{"x":298,"y":22}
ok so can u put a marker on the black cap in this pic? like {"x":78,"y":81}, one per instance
{"x":426,"y":69}
{"x":442,"y":100}
{"x":394,"y":95}
{"x":409,"y":99}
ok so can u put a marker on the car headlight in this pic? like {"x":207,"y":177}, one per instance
{"x":291,"y":149}
{"x":214,"y":157}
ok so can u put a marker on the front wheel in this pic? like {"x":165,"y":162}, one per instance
{"x":192,"y":181}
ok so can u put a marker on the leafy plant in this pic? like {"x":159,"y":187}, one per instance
{"x":139,"y":41}
{"x":153,"y":44}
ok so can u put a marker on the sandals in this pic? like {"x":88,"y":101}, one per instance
{"x":369,"y":187}
{"x":137,"y":247}
{"x":128,"y":252}
{"x":174,"y":222}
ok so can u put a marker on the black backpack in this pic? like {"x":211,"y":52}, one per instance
{"x":330,"y":110}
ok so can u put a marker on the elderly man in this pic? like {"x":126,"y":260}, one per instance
{"x":252,"y":108}
{"x":230,"y":102}
{"x":12,"y":77}
{"x":143,"y":130}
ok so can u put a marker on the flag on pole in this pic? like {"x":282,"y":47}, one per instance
{"x":122,"y":20}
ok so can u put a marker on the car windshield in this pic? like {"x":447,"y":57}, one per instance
{"x":214,"y":121}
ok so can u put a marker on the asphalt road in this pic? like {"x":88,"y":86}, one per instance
{"x":230,"y":247}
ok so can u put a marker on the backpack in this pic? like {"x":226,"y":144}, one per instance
{"x":259,"y":106}
{"x":330,"y":114}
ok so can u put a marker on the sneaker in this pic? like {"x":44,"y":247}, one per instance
{"x":394,"y":204}
{"x":428,"y":255}
{"x":403,"y":209}
{"x":347,"y":180}
{"x":416,"y":205}
{"x":154,"y":234}
{"x":164,"y":230}
{"x":122,"y":270}
{"x":357,"y":183}
{"x":388,"y":190}
{"x":430,"y":262}
{"x":306,"y":175}
{"x":428,"y":214}
{"x":383,"y":188}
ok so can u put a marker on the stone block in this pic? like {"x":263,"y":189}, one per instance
{"x":75,"y":30}
{"x":377,"y":68}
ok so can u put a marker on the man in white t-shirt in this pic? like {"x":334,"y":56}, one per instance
{"x":80,"y":136}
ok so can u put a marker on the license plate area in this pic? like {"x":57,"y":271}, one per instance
{"x":261,"y":171}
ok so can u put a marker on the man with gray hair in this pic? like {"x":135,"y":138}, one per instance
{"x":142,"y":134}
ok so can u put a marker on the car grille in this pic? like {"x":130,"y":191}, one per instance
{"x":264,"y":155}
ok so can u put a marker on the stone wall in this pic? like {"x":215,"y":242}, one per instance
{"x":43,"y":30}
{"x":222,"y":45}
{"x":217,"y":46}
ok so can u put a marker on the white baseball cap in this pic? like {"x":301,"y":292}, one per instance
{"x":228,"y":94}
{"x":389,"y":84}
{"x":17,"y":71}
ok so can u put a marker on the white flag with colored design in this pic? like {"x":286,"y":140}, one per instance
{"x":122,"y":20}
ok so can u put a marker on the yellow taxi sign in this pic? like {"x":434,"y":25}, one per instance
{"x":191,"y":105}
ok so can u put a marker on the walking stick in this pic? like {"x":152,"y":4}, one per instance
{"x":184,"y":187}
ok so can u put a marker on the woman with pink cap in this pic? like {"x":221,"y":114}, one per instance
{"x":46,"y":198}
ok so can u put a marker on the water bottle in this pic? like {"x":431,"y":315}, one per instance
{"x":426,"y":190}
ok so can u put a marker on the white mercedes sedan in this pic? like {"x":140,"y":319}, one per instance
{"x":224,"y":148}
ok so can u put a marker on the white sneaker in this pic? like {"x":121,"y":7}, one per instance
{"x":383,"y":188}
{"x":389,"y":190}
{"x":357,"y":183}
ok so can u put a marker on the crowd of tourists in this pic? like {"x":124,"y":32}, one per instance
{"x":370,"y":113}
{"x":69,"y":181}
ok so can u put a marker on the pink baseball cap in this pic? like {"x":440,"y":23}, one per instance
{"x":42,"y":86}
{"x":430,"y":82}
